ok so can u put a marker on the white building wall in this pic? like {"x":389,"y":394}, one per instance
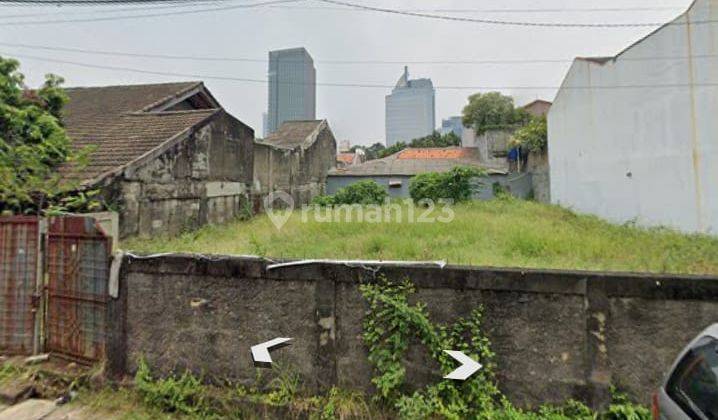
{"x":636,"y":138}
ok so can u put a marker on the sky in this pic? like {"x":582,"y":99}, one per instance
{"x":329,"y":33}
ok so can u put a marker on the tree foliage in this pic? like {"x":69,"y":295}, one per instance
{"x":33,"y":145}
{"x":534,"y":135}
{"x":371,"y":152}
{"x":492,"y":110}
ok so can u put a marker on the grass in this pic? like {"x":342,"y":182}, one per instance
{"x":502,"y":233}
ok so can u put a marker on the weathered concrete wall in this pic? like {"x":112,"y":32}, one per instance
{"x":203,"y":179}
{"x":537,"y":166}
{"x":518,"y":184}
{"x":493,"y":145}
{"x":300,"y":172}
{"x":556,"y":334}
{"x":634,"y":137}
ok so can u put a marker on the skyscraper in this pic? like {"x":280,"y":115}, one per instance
{"x":409,"y":110}
{"x":292,"y":87}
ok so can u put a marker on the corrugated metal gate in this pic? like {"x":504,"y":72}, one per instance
{"x":53,"y":286}
{"x":19,"y":249}
{"x":78,"y":263}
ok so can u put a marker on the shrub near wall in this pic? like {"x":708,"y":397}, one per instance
{"x":454,"y":186}
{"x":363,"y":192}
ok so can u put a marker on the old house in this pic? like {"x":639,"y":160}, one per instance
{"x":351,"y":158}
{"x":633,"y":137}
{"x":294,"y":159}
{"x":166,"y":156}
{"x":537,"y":108}
{"x":394,"y":172}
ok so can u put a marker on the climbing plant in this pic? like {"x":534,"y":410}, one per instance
{"x":390,"y":326}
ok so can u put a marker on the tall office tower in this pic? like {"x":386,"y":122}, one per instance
{"x":409,"y":110}
{"x":292,"y":87}
{"x":265,"y":125}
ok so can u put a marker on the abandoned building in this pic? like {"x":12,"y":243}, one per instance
{"x":394,"y":172}
{"x":537,"y":108}
{"x":295,"y":159}
{"x":351,"y":158}
{"x":167,"y":156}
{"x":633,"y":137}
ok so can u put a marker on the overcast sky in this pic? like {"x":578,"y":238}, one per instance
{"x":331,"y":33}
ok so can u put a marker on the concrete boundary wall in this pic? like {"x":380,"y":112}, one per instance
{"x":556,"y":334}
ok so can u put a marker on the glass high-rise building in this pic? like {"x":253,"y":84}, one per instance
{"x":292,"y":87}
{"x":409,"y":110}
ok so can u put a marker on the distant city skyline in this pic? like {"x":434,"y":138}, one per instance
{"x":292,"y":90}
{"x":410,"y":109}
{"x":452,"y":124}
{"x":348,"y":47}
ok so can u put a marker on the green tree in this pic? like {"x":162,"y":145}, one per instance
{"x":33,"y":145}
{"x":534,"y":135}
{"x":372,"y":152}
{"x":432,"y":140}
{"x":492,"y":110}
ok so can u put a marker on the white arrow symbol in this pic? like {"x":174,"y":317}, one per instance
{"x":260,"y":352}
{"x":468,"y":366}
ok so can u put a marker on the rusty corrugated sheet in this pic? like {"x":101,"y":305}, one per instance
{"x":18,"y":279}
{"x":78,"y":261}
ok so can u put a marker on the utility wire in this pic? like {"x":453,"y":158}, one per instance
{"x":335,"y":62}
{"x":355,"y":6}
{"x":500,"y":22}
{"x":113,"y":9}
{"x":93,"y":2}
{"x":194,"y":3}
{"x":501,"y":10}
{"x":360,"y":84}
{"x":148,"y":15}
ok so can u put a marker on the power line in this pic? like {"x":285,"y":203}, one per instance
{"x":91,"y":2}
{"x":194,"y":3}
{"x":162,"y":14}
{"x":500,"y":22}
{"x":337,"y":62}
{"x":113,"y":9}
{"x":361,"y":84}
{"x":355,"y":6}
{"x":502,"y":10}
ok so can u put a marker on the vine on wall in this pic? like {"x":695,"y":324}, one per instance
{"x":391,"y":324}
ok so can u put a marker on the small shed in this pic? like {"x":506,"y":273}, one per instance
{"x":395,"y":171}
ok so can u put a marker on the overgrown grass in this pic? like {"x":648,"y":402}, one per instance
{"x":505,"y":233}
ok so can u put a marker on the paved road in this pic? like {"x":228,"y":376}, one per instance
{"x":35,"y":409}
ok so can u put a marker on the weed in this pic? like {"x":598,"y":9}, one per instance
{"x":502,"y":232}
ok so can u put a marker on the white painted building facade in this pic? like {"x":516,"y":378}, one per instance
{"x":635,"y":137}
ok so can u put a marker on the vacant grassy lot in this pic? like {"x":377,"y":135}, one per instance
{"x":506,"y":233}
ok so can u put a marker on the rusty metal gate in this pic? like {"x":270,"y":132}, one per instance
{"x":77,"y":266}
{"x":19,"y":280}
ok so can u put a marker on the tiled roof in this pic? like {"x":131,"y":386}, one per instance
{"x":415,"y":161}
{"x":448,"y":153}
{"x":88,"y":103}
{"x":111,"y":121}
{"x":292,"y":134}
{"x":345,"y":157}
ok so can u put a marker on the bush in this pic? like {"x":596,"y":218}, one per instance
{"x":534,"y":135}
{"x":363,"y":192}
{"x":185,"y":395}
{"x":454,"y":185}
